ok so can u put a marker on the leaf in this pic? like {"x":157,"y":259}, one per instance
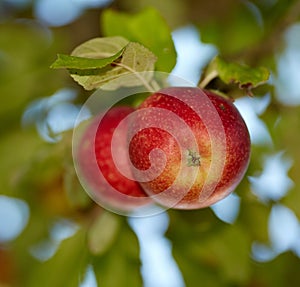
{"x":103,"y":232}
{"x":100,"y":62}
{"x":120,"y":264}
{"x":284,"y":136}
{"x":281,"y":271}
{"x":233,"y":73}
{"x":255,"y":216}
{"x":14,"y":160}
{"x":232,"y":27}
{"x":218,"y":258}
{"x":135,"y":60}
{"x":100,"y":48}
{"x":22,"y":67}
{"x":241,"y":74}
{"x":147,"y":28}
{"x":80,"y":63}
{"x":231,"y":250}
{"x":65,"y":267}
{"x":92,"y":54}
{"x":90,"y":57}
{"x":188,"y":232}
{"x":75,"y":193}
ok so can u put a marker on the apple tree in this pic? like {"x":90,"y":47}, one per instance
{"x":64,"y":64}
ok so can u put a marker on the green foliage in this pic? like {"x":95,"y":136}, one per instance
{"x":228,"y":31}
{"x":120,"y":264}
{"x":22,"y":67}
{"x":233,"y":73}
{"x":65,"y":267}
{"x":117,"y":58}
{"x":80,"y":63}
{"x":147,"y":28}
{"x":102,"y":233}
{"x":283,"y":133}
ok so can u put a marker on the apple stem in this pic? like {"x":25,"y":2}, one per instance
{"x":193,"y":158}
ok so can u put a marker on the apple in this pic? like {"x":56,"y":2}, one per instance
{"x":96,"y":168}
{"x":193,"y":143}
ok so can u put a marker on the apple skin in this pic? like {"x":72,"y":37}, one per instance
{"x":235,"y":155}
{"x":97,"y":170}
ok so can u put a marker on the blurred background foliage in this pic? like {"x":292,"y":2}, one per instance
{"x":52,"y":234}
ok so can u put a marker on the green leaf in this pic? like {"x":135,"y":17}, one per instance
{"x":100,"y":48}
{"x":286,"y":139}
{"x":135,"y":60}
{"x":188,"y":231}
{"x":233,"y":73}
{"x":231,"y":249}
{"x":120,"y":264}
{"x":92,"y":54}
{"x":255,"y":216}
{"x":103,"y":232}
{"x":215,"y":256}
{"x":14,"y":160}
{"x":281,"y":271}
{"x":241,"y":74}
{"x":65,"y":267}
{"x":80,"y":63}
{"x":23,"y":67}
{"x":100,"y":62}
{"x":75,"y":193}
{"x":233,"y":27}
{"x":147,"y":28}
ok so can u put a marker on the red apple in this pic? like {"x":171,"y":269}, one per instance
{"x":96,"y":167}
{"x":194,"y":145}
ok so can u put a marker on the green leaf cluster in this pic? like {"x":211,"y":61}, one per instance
{"x":147,"y":27}
{"x":233,"y":73}
{"x":100,"y":62}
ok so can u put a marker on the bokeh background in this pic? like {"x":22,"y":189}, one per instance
{"x":52,"y":234}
